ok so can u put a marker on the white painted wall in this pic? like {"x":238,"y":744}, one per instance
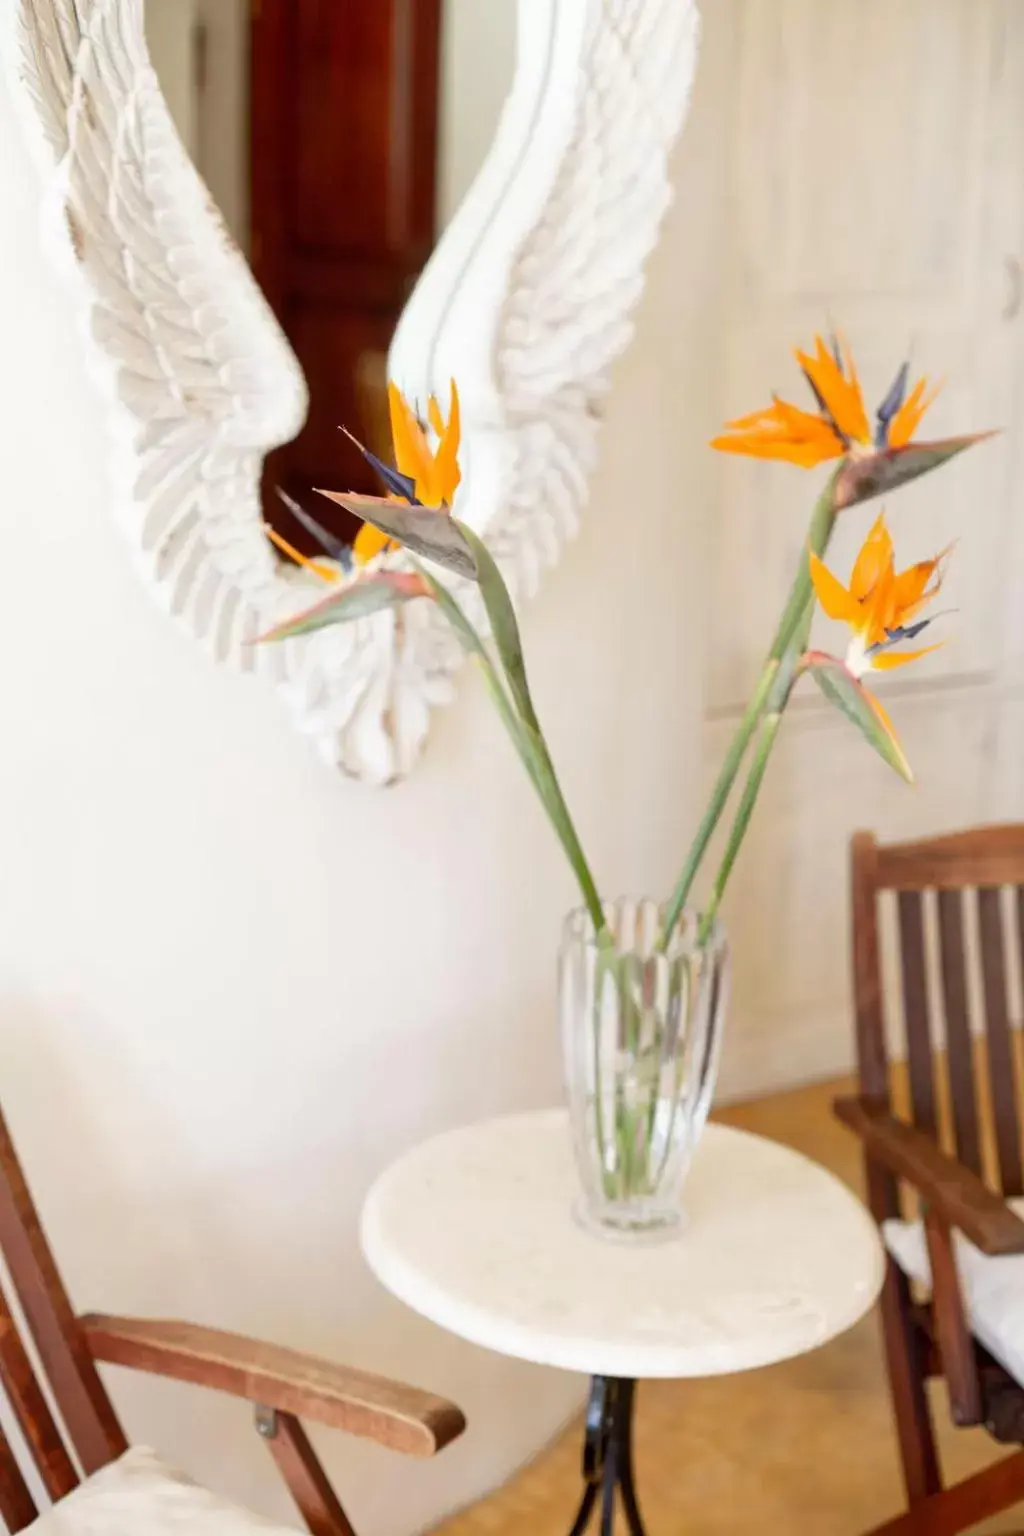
{"x":923,"y":256}
{"x":170,"y":33}
{"x":477,"y":62}
{"x":233,"y":987}
{"x":222,"y":109}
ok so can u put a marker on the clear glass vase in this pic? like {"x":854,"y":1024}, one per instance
{"x":641,"y":1033}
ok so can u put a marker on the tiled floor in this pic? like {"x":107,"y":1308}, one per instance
{"x":801,"y":1449}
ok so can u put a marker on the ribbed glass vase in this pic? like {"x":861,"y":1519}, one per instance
{"x":641,"y":1032}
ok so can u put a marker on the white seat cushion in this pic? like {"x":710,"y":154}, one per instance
{"x":993,"y":1288}
{"x":140,"y":1496}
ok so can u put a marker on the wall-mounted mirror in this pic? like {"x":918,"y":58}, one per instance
{"x":342,"y":141}
{"x":338,"y":140}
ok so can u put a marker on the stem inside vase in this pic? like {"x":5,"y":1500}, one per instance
{"x":641,"y":1026}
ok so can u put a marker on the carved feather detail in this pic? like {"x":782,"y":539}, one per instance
{"x":579,"y":277}
{"x":574,"y":280}
{"x":202,"y":383}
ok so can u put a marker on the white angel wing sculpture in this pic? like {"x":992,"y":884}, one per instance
{"x":202,"y":382}
{"x":550,"y":247}
{"x":578,"y":278}
{"x":527,"y":301}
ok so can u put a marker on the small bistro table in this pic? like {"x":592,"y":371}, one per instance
{"x":475,"y":1231}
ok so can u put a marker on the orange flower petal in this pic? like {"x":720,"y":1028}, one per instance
{"x":910,"y":414}
{"x":369,"y":543}
{"x":325,"y":572}
{"x":447,"y":473}
{"x":436,"y":475}
{"x":782,"y":431}
{"x":803,"y":426}
{"x":412,"y":453}
{"x":832,"y":595}
{"x":755,"y":446}
{"x":919,"y":585}
{"x":912,"y":584}
{"x":875,"y":555}
{"x":856,"y":400}
{"x":888,"y":661}
{"x":878,"y":609}
{"x":842,"y":397}
{"x":764,"y":418}
{"x":913,"y":592}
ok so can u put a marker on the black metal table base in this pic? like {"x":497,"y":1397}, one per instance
{"x":608,"y":1458}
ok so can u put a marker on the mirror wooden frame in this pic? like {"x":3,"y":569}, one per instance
{"x":527,"y":301}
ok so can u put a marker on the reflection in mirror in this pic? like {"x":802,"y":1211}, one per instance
{"x":338,"y":142}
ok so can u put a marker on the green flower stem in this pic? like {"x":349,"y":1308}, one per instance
{"x":508,"y":647}
{"x":529,"y":745}
{"x":719,"y":797}
{"x":790,"y":669}
{"x":796,"y":616}
{"x":769,"y":732}
{"x":791,"y":640}
{"x":823,"y":521}
{"x":542,"y":776}
{"x":558,"y":810}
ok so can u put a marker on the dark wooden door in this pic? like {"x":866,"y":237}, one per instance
{"x":344,"y":170}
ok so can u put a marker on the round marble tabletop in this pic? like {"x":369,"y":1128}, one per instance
{"x":475,"y":1231}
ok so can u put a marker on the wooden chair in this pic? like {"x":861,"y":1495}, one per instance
{"x":55,"y":1363}
{"x":959,"y":1151}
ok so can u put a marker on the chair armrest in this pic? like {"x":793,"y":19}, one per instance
{"x":400,"y":1417}
{"x":954,"y":1191}
{"x":952,"y":1329}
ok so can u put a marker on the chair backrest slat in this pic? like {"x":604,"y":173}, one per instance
{"x":1001,"y":1066}
{"x":982,"y":861}
{"x":17,"y":1507}
{"x":959,"y":1048}
{"x":915,"y":1009}
{"x":867,"y":968}
{"x":32,"y":1411}
{"x":79,"y":1393}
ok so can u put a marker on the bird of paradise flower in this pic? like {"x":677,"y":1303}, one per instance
{"x":882,"y":610}
{"x":881,"y":606}
{"x":840,"y":425}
